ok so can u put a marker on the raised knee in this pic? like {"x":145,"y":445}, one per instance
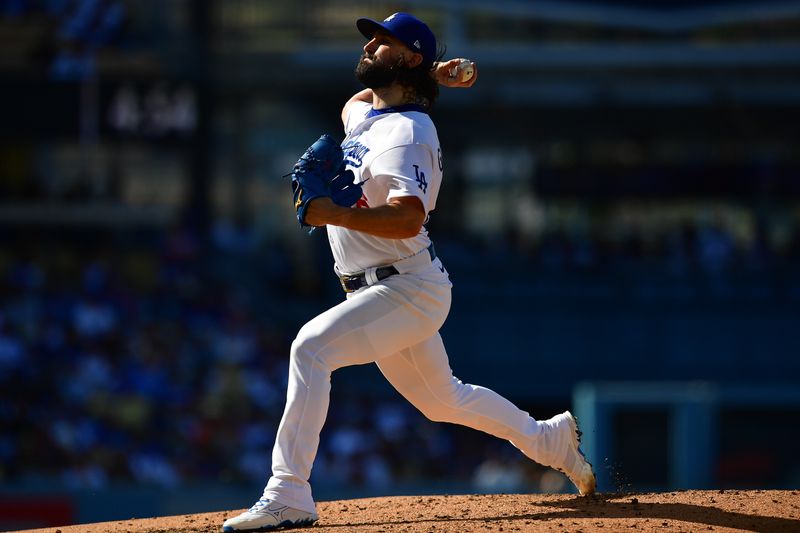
{"x":305,"y":344}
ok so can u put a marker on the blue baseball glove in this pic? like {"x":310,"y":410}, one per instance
{"x":320,"y":171}
{"x":313,"y":172}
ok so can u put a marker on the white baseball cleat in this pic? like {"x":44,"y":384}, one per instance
{"x":267,"y":514}
{"x":560,"y":449}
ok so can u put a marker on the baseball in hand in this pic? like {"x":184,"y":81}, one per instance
{"x":464,"y":71}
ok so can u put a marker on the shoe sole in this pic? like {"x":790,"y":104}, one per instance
{"x":576,"y":446}
{"x":286,"y":523}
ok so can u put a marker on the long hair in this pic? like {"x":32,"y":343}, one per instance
{"x":421,"y":81}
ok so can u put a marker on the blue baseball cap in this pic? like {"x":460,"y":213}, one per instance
{"x":406,"y":28}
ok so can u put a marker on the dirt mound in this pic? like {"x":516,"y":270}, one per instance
{"x":688,"y":511}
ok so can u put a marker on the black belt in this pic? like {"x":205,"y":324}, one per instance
{"x":356,"y":281}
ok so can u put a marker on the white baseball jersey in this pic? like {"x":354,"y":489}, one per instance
{"x":392,"y":154}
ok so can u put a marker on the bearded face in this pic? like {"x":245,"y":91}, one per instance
{"x":376,"y":74}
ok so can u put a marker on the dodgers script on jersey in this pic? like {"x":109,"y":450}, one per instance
{"x":392,"y":154}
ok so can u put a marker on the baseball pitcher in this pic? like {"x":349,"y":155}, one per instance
{"x":374,"y":193}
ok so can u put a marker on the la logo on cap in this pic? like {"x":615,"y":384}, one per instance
{"x":390,"y":17}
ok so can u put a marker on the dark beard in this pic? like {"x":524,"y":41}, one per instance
{"x":377,"y":75}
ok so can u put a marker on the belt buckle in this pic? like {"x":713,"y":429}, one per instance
{"x":343,"y":280}
{"x":344,"y":285}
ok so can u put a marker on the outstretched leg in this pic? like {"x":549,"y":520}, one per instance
{"x":422,"y":374}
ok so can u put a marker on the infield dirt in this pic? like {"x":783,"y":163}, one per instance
{"x":688,"y":511}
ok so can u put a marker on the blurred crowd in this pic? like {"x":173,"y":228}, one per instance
{"x":687,"y":248}
{"x":164,"y":362}
{"x":167,"y":365}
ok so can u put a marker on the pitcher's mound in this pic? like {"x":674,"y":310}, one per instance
{"x":689,"y":511}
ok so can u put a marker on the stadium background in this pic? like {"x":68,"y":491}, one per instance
{"x":620,"y":217}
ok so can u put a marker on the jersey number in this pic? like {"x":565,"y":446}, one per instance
{"x":421,"y":180}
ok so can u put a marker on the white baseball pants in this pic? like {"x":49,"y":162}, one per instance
{"x":394,"y":323}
